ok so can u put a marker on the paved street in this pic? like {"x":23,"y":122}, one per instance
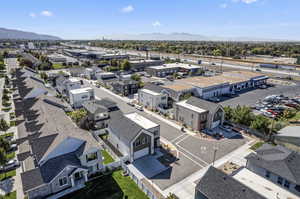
{"x":194,"y":152}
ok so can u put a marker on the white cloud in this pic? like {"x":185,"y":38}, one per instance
{"x":245,"y":1}
{"x":32,"y":14}
{"x":223,"y":5}
{"x":46,"y":13}
{"x":128,"y":9}
{"x":156,"y":24}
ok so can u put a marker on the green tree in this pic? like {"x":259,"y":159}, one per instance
{"x":3,"y":159}
{"x":228,"y":113}
{"x":125,"y":65}
{"x":242,"y":115}
{"x":261,"y":124}
{"x":172,"y":196}
{"x":136,"y":77}
{"x":78,"y":115}
{"x":3,"y":125}
{"x":4,"y":144}
{"x":44,"y":76}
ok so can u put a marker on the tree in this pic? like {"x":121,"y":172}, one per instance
{"x":228,"y":113}
{"x":172,"y":196}
{"x":242,"y":115}
{"x":78,"y":115}
{"x":5,"y":97}
{"x":44,"y":76}
{"x":261,"y":124}
{"x":125,"y":65}
{"x":136,"y":77}
{"x":4,"y":144}
{"x":3,"y":159}
{"x":26,"y":62}
{"x":3,"y":125}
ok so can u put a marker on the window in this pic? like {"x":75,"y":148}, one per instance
{"x":268,"y":174}
{"x":91,"y":156}
{"x":279,"y":180}
{"x":63,"y":181}
{"x":84,"y":97}
{"x":138,"y":143}
{"x":287,"y":184}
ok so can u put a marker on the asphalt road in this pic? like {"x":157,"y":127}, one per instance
{"x":194,"y":153}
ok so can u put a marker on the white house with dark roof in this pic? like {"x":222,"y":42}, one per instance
{"x":79,"y":96}
{"x":277,"y":164}
{"x":133,"y":135}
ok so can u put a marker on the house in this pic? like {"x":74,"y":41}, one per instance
{"x":98,"y":112}
{"x":151,"y":99}
{"x":79,"y":96}
{"x":106,"y":78}
{"x":215,"y":184}
{"x":64,"y":85}
{"x":125,"y":87}
{"x":199,"y":114}
{"x":277,"y":164}
{"x":91,"y":73}
{"x":56,"y":156}
{"x":289,"y":137}
{"x":133,"y":135}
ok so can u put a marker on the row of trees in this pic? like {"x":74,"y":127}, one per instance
{"x":116,"y":65}
{"x":229,"y":49}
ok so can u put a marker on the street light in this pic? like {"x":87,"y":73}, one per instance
{"x":215,"y":153}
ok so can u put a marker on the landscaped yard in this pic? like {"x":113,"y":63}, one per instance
{"x":12,"y":195}
{"x":10,"y":155}
{"x":114,"y":186}
{"x":107,"y":157}
{"x":58,"y":66}
{"x":7,"y":135}
{"x":7,"y":174}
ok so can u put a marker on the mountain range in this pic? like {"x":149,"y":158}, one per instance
{"x":181,"y":37}
{"x":17,"y":34}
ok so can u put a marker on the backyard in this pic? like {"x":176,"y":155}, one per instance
{"x":113,"y":186}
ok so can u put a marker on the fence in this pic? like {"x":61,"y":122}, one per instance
{"x":144,"y":185}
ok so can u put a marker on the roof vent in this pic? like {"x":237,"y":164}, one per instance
{"x":244,"y":190}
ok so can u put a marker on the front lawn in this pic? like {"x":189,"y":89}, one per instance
{"x":107,"y":157}
{"x":256,"y":145}
{"x":10,"y":155}
{"x":11,"y":134}
{"x":12,"y":195}
{"x":7,"y":174}
{"x":113,"y":186}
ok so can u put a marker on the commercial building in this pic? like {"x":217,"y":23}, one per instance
{"x":140,"y":65}
{"x":133,"y":135}
{"x":277,"y":164}
{"x":170,"y":69}
{"x":199,"y":114}
{"x":99,"y":55}
{"x":78,"y":96}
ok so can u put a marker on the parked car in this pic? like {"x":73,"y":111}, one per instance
{"x":138,"y":107}
{"x":10,"y":165}
{"x":130,"y":103}
{"x":258,"y":70}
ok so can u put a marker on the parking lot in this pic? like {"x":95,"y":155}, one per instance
{"x":250,"y":97}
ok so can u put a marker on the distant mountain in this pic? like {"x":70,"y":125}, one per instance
{"x":17,"y":34}
{"x":181,"y":37}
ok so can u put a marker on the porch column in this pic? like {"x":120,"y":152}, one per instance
{"x":85,"y":173}
{"x":72,"y":181}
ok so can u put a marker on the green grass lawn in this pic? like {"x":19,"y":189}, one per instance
{"x":256,"y":145}
{"x":12,"y":195}
{"x":10,"y":155}
{"x":7,"y":135}
{"x":57,"y":66}
{"x":7,"y":174}
{"x":107,"y":157}
{"x":114,"y":186}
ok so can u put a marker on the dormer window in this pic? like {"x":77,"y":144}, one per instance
{"x":91,"y":156}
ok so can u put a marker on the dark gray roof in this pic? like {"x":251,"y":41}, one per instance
{"x":31,"y":179}
{"x":54,"y":166}
{"x":278,"y":160}
{"x":153,"y":87}
{"x":60,"y":79}
{"x":203,"y":104}
{"x":217,"y":185}
{"x":39,"y":146}
{"x":122,"y":127}
{"x":94,"y":107}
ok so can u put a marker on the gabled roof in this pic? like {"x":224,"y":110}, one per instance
{"x":217,"y":185}
{"x":203,"y":104}
{"x":278,"y":160}
{"x":33,"y":178}
{"x":124,"y":128}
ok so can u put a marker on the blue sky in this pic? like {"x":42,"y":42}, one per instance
{"x":88,"y":19}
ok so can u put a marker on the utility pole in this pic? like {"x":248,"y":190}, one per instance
{"x":271,"y":129}
{"x":215,"y":153}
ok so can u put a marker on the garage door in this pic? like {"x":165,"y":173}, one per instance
{"x":141,"y":153}
{"x":215,"y":124}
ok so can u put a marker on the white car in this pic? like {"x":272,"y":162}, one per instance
{"x":138,"y":107}
{"x":10,"y":165}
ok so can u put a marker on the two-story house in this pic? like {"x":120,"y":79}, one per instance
{"x":125,"y":87}
{"x":133,"y":135}
{"x":198,"y":114}
{"x":277,"y":164}
{"x":78,"y":96}
{"x":65,"y":85}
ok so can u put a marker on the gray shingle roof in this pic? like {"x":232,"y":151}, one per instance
{"x":93,"y":107}
{"x":124,"y":128}
{"x":203,"y":104}
{"x":33,"y":178}
{"x":154,"y":88}
{"x":217,"y":185}
{"x":278,"y":160}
